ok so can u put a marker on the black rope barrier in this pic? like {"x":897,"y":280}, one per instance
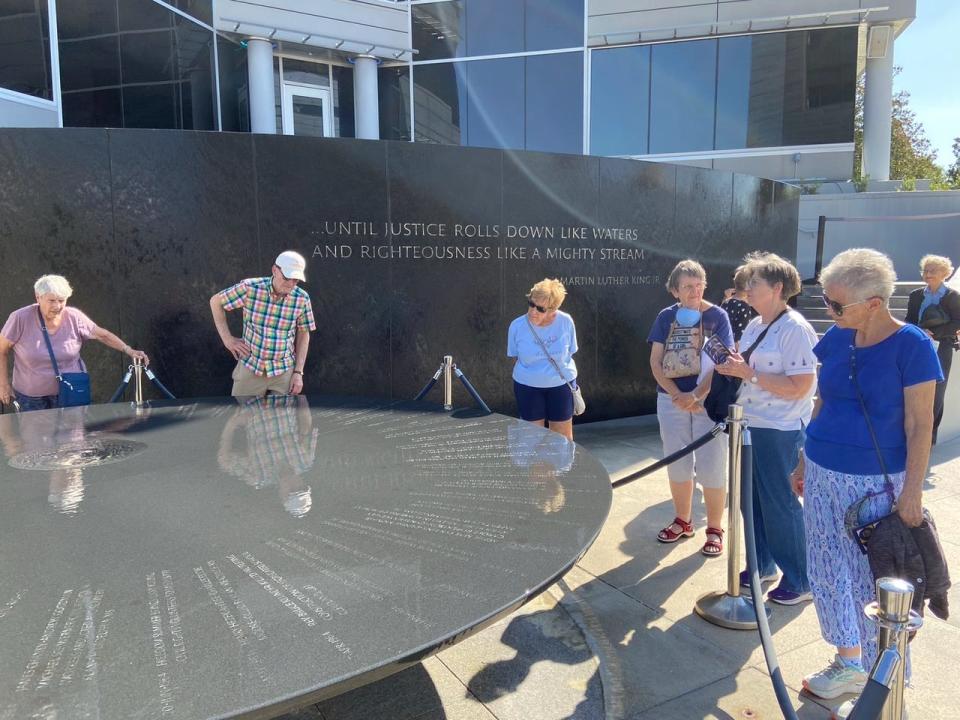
{"x":673,"y":457}
{"x":763,"y":627}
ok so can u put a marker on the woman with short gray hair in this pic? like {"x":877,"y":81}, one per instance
{"x":935,"y":309}
{"x":35,"y":385}
{"x":866,"y":448}
{"x":779,"y":374}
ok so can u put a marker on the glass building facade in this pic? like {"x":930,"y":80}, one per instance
{"x":25,"y":48}
{"x":126,"y":63}
{"x":518,"y":74}
{"x":513,"y":74}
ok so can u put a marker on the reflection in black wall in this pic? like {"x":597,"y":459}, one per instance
{"x":148,"y":224}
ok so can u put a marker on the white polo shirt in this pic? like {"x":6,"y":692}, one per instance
{"x":786,"y":350}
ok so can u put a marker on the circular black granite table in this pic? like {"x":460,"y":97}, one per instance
{"x":239,"y":559}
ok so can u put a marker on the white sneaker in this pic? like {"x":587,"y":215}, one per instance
{"x":836,"y":679}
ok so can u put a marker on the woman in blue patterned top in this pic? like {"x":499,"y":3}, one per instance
{"x":876,"y":388}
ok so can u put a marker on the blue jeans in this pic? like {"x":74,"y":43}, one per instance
{"x":29,"y":402}
{"x":777,"y":513}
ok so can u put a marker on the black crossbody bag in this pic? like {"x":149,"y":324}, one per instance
{"x":724,"y":388}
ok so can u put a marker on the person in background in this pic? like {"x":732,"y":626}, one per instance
{"x":736,"y":306}
{"x":935,"y":309}
{"x":683,"y":373}
{"x":35,"y":385}
{"x":277,"y":322}
{"x":543,"y":396}
{"x":779,"y":382}
{"x":876,"y":388}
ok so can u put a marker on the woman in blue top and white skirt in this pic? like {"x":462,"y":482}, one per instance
{"x":876,"y":388}
{"x":543,"y":392}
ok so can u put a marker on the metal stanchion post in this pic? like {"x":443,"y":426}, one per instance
{"x":891,"y":612}
{"x":728,"y":609}
{"x":895,"y":621}
{"x":448,"y":382}
{"x":138,"y":374}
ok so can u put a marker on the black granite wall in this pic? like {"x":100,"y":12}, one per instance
{"x":147,"y":224}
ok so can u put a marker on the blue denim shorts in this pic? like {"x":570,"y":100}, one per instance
{"x":554,"y":404}
{"x":29,"y":402}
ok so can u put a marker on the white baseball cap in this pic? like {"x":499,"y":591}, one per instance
{"x":292,"y":265}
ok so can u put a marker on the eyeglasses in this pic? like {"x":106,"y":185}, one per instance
{"x":838,"y":308}
{"x":538,"y":308}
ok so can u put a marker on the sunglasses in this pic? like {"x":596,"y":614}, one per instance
{"x":853,"y":523}
{"x":538,"y":308}
{"x":837,"y":307}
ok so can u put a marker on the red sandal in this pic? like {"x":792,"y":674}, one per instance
{"x":669,"y":535}
{"x":714,"y":544}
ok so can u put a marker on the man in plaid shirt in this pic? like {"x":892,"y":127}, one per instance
{"x":277,"y":321}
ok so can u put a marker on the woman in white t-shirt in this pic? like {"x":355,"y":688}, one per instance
{"x":779,"y":382}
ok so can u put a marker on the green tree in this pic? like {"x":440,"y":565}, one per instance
{"x":953,"y":172}
{"x":911,"y":155}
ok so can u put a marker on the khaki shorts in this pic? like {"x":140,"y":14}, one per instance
{"x":247,"y":383}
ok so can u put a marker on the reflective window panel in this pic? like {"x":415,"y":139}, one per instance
{"x":533,"y":103}
{"x":93,"y":108}
{"x":24,"y":48}
{"x":85,"y":18}
{"x":234,"y":105}
{"x":766,"y":90}
{"x":308,"y":73}
{"x":682,"y":96}
{"x":551,"y":24}
{"x":554,"y":103}
{"x":495,"y":103}
{"x":344,"y":119}
{"x":394,"y":88}
{"x":202,"y":10}
{"x":620,"y":101}
{"x":440,"y":103}
{"x":159,"y":62}
{"x":494,"y":27}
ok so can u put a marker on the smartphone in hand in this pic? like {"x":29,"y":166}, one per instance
{"x":716,"y":350}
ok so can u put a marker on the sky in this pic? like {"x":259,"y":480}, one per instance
{"x":929,"y":53}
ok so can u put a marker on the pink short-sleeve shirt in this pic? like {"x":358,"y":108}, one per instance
{"x":32,"y":371}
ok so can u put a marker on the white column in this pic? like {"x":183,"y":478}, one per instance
{"x":877,"y":114}
{"x":366,"y":100}
{"x":263,"y":112}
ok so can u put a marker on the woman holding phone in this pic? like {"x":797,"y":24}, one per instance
{"x":779,"y":382}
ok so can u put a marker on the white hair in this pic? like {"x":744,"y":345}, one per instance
{"x":938,"y":261}
{"x":53,"y":284}
{"x":865,"y":272}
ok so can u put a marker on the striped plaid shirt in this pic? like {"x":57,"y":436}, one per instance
{"x":269,"y":325}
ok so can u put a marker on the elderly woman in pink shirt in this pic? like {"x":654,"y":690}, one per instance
{"x":34,"y":380}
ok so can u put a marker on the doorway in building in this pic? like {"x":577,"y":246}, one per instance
{"x":306,"y":110}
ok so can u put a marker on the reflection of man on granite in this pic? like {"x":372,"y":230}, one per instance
{"x":547,"y":456}
{"x":281,"y":446}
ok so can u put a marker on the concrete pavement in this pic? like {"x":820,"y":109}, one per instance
{"x":617,"y":637}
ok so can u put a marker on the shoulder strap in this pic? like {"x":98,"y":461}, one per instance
{"x":547,"y":353}
{"x":761,"y":336}
{"x":887,"y":483}
{"x":46,"y":337}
